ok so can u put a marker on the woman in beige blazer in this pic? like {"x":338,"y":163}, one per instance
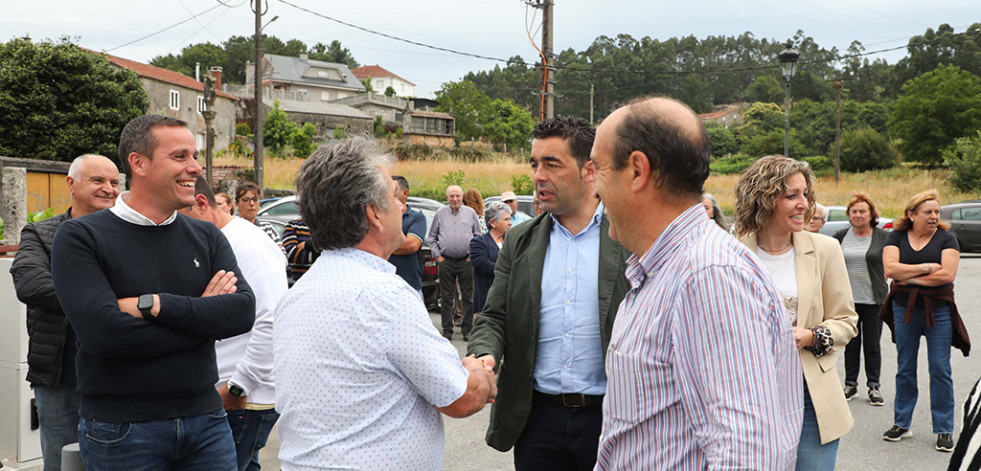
{"x":773,"y":199}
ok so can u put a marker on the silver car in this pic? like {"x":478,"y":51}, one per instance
{"x":837,"y":219}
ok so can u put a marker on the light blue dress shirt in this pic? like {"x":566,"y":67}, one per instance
{"x":570,"y":353}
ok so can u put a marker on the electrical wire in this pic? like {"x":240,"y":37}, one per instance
{"x":541,"y":54}
{"x":165,"y":29}
{"x":389,"y":36}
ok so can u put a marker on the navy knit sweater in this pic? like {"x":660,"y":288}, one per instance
{"x":129,"y":369}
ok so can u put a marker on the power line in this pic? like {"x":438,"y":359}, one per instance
{"x":389,"y":36}
{"x":167,"y":28}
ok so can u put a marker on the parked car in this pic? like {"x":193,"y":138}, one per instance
{"x":837,"y":219}
{"x":965,"y":223}
{"x":285,"y":209}
{"x":526,"y":203}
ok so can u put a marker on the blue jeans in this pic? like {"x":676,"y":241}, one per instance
{"x":938,"y":356}
{"x":202,"y":442}
{"x":250,"y":429}
{"x":811,"y":454}
{"x":57,"y":411}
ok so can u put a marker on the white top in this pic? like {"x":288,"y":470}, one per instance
{"x":247,"y":359}
{"x":854,"y":249}
{"x":359,"y":367}
{"x":783,"y":270}
{"x":126,"y":213}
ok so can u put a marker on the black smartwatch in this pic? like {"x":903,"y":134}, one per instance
{"x":145,"y":305}
{"x":235,"y":390}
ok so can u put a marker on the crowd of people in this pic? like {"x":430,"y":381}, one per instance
{"x":622,"y":326}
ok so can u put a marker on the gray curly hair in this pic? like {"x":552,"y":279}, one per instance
{"x":494,"y":211}
{"x":334,"y":187}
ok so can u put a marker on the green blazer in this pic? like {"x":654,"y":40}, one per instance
{"x":508,"y":326}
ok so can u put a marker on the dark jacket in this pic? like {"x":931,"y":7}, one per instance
{"x":507,"y":328}
{"x":483,"y":256}
{"x":873,"y":259}
{"x":47,"y":327}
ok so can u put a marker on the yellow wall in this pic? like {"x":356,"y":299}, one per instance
{"x":46,"y":190}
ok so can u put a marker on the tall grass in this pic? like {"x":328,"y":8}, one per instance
{"x":890,"y":189}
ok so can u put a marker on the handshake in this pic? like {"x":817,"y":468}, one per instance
{"x":481,"y":388}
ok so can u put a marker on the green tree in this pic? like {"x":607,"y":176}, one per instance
{"x":964,"y":161}
{"x":935,"y":109}
{"x":389,"y":91}
{"x":468,"y":104}
{"x":509,"y":124}
{"x":302,"y":140}
{"x":277,"y":130}
{"x":864,"y":149}
{"x":766,"y":88}
{"x":58,"y":101}
{"x":367,"y":85}
{"x":723,"y":141}
{"x":205,"y":54}
{"x":335,"y":52}
{"x":379,"y":126}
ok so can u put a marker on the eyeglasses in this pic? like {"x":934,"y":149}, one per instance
{"x":248,"y":200}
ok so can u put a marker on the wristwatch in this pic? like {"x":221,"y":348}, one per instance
{"x":235,"y":390}
{"x":145,"y":305}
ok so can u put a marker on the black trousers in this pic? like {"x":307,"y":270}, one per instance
{"x":452,"y":272}
{"x":869,"y":333}
{"x":559,"y":438}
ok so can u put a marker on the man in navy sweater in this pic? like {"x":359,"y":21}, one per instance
{"x":148,"y":291}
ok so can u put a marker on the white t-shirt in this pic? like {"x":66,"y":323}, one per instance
{"x":783,"y":269}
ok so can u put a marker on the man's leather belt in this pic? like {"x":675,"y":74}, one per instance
{"x":455,"y":259}
{"x":573,"y":400}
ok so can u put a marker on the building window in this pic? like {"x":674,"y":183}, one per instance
{"x":202,"y":107}
{"x":325,"y":96}
{"x":302,"y":95}
{"x":175,"y":100}
{"x":378,"y":86}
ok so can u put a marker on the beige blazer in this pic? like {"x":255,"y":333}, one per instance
{"x":825,"y":298}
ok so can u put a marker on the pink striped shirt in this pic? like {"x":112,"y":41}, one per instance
{"x":702,"y":368}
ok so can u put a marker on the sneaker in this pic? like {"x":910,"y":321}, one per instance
{"x":448,"y":336}
{"x":897,"y":433}
{"x":466,"y":336}
{"x":945,"y":442}
{"x":875,"y":398}
{"x":850,"y":392}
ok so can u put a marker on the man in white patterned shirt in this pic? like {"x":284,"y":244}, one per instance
{"x":702,"y":367}
{"x":362,"y":374}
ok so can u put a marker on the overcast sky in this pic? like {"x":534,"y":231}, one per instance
{"x":495,"y":28}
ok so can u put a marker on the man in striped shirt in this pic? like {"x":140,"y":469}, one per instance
{"x":702,"y":368}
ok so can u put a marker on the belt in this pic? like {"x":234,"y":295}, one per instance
{"x":455,"y":259}
{"x":572,"y":400}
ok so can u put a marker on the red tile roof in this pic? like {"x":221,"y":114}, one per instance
{"x":715,"y":115}
{"x":160,"y":74}
{"x":368,"y":71}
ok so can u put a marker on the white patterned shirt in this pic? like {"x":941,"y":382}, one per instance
{"x":702,"y":369}
{"x":359,"y":368}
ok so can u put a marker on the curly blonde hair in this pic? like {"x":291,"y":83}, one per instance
{"x":759,"y":187}
{"x":903,"y":223}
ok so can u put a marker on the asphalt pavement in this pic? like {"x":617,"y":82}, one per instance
{"x":861,"y":449}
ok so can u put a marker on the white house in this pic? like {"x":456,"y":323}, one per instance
{"x":381,"y":79}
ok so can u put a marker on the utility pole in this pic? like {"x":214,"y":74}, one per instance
{"x":838,"y":84}
{"x":547,"y":35}
{"x":209,"y":119}
{"x":258,"y":153}
{"x":592,"y":91}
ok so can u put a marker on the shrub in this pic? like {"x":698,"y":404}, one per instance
{"x":454,"y":177}
{"x":242,"y":129}
{"x":522,"y":184}
{"x":723,"y":140}
{"x":339,"y":133}
{"x":964,"y":161}
{"x":379,"y":126}
{"x":865,"y":149}
{"x":733,"y":164}
{"x":819,"y":162}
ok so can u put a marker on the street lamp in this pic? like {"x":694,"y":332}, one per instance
{"x":788,"y":66}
